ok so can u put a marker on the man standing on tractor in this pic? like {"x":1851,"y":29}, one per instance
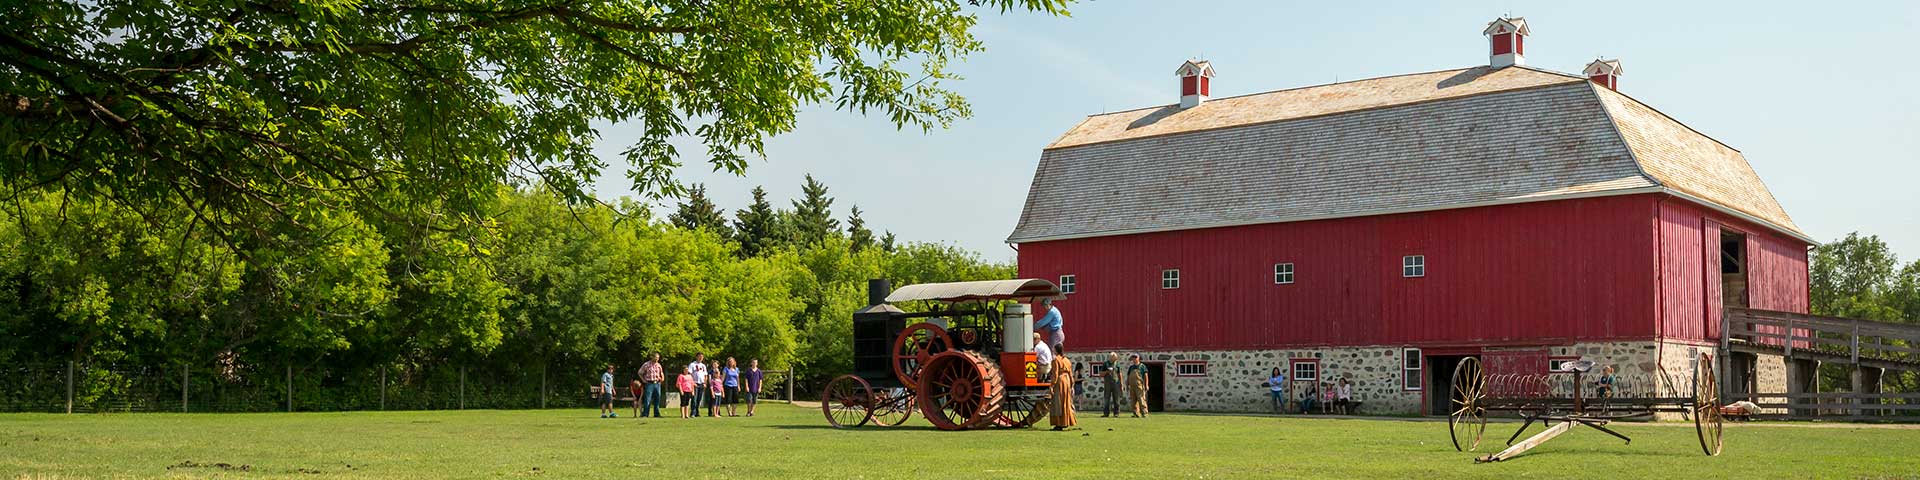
{"x":1049,"y":327}
{"x":1137,"y":385}
{"x":1110,"y":378}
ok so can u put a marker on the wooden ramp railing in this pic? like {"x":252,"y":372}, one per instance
{"x":1828,"y":339}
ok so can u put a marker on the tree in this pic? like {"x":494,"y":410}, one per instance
{"x":755,"y":227}
{"x":1854,"y":277}
{"x":886,"y":242}
{"x":696,"y":212}
{"x":812,"y":219}
{"x":857,"y":230}
{"x":233,"y":108}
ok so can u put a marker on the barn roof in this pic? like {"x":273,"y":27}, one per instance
{"x":1428,"y":141}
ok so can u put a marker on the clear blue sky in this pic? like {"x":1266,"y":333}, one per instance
{"x":1823,"y":99}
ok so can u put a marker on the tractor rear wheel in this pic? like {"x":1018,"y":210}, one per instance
{"x":847,"y":402}
{"x":960,"y":390}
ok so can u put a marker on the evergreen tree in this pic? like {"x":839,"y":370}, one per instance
{"x":697,"y":212}
{"x":886,"y":242}
{"x":812,"y":219}
{"x":757,"y":227}
{"x":857,"y":230}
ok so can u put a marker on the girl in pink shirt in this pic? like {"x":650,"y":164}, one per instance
{"x":685,"y":382}
{"x":713,"y":407}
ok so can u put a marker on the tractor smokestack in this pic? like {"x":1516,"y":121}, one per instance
{"x":877,"y":290}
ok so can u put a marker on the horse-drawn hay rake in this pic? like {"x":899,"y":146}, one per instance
{"x":1557,"y":400}
{"x":966,"y":362}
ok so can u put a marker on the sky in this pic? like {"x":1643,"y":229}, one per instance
{"x":1822,"y":98}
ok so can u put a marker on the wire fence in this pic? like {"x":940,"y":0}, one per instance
{"x":79,"y":388}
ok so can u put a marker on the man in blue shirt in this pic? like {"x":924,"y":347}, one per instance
{"x":1049,"y":326}
{"x":606,"y":394}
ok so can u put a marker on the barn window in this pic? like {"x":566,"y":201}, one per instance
{"x":1282,"y":273}
{"x":1067,"y":282}
{"x":1190,"y":369}
{"x":1170,"y":279}
{"x":1410,"y":368}
{"x":1306,"y":369}
{"x":1413,"y":266}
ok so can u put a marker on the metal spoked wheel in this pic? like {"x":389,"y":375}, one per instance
{"x":1706,"y":406}
{"x":1022,"y":411}
{"x":847,"y":402}
{"x":892,"y":408}
{"x":914,"y":347}
{"x":960,"y":390}
{"x":1467,"y":422}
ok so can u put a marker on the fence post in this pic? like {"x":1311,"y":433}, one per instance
{"x":383,"y":387}
{"x":463,"y":387}
{"x":543,"y":385}
{"x":289,"y":388}
{"x":69,"y":386}
{"x":184,"y":372}
{"x":790,"y":375}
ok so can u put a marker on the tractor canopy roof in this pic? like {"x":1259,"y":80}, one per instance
{"x":1027,"y":288}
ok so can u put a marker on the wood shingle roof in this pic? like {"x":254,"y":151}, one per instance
{"x":1428,"y":141}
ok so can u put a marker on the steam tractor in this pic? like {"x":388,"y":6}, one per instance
{"x":964,"y":357}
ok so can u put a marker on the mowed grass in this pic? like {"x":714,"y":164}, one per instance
{"x":794,"y":442}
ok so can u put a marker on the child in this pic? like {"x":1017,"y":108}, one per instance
{"x":1343,"y":398}
{"x":1606,"y":382}
{"x":716,"y":390}
{"x":685,"y":382}
{"x":638,"y":390}
{"x":1326,"y":397}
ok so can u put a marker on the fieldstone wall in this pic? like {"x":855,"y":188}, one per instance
{"x":1770,"y":373}
{"x":1232,"y":382}
{"x":1233,"y":379}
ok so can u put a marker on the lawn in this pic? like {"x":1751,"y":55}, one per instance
{"x":794,"y":442}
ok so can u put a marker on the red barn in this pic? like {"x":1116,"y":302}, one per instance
{"x":1379,"y":230}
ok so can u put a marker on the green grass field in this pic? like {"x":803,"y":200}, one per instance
{"x":792,"y":442}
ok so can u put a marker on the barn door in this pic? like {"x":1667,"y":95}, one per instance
{"x":1712,"y":301}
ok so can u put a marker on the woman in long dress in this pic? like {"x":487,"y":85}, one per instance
{"x":1061,"y":408}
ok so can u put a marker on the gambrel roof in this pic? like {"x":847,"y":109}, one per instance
{"x":1429,"y":141}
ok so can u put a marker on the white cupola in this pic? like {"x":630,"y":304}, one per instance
{"x":1605,"y":72}
{"x":1507,"y":40}
{"x":1196,"y":79}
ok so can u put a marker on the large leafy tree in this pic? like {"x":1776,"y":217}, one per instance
{"x":237,"y":109}
{"x":1858,"y":277}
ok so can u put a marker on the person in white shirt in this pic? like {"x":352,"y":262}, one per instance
{"x":701,"y":396}
{"x":1042,"y":355}
{"x":1343,"y":400}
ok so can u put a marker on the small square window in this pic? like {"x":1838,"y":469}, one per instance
{"x":1190,"y":369}
{"x":1170,"y":279}
{"x":1410,"y":368}
{"x":1413,"y":266}
{"x":1306,"y":371}
{"x":1282,"y":273}
{"x":1067,"y":283}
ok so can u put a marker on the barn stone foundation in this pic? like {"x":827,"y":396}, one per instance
{"x":1233,"y":378}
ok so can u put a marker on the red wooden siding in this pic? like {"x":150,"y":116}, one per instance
{"x":1690,"y":269}
{"x":1524,"y":274}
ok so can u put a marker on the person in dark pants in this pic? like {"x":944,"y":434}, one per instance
{"x":606,"y":393}
{"x":699,"y":370}
{"x":651,"y":375}
{"x":1112,"y":396}
{"x":752,"y":377}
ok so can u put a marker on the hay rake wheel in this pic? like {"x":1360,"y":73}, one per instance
{"x":1467,"y":422}
{"x":1707,"y":419}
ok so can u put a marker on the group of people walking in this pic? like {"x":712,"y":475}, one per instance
{"x":714,"y":386}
